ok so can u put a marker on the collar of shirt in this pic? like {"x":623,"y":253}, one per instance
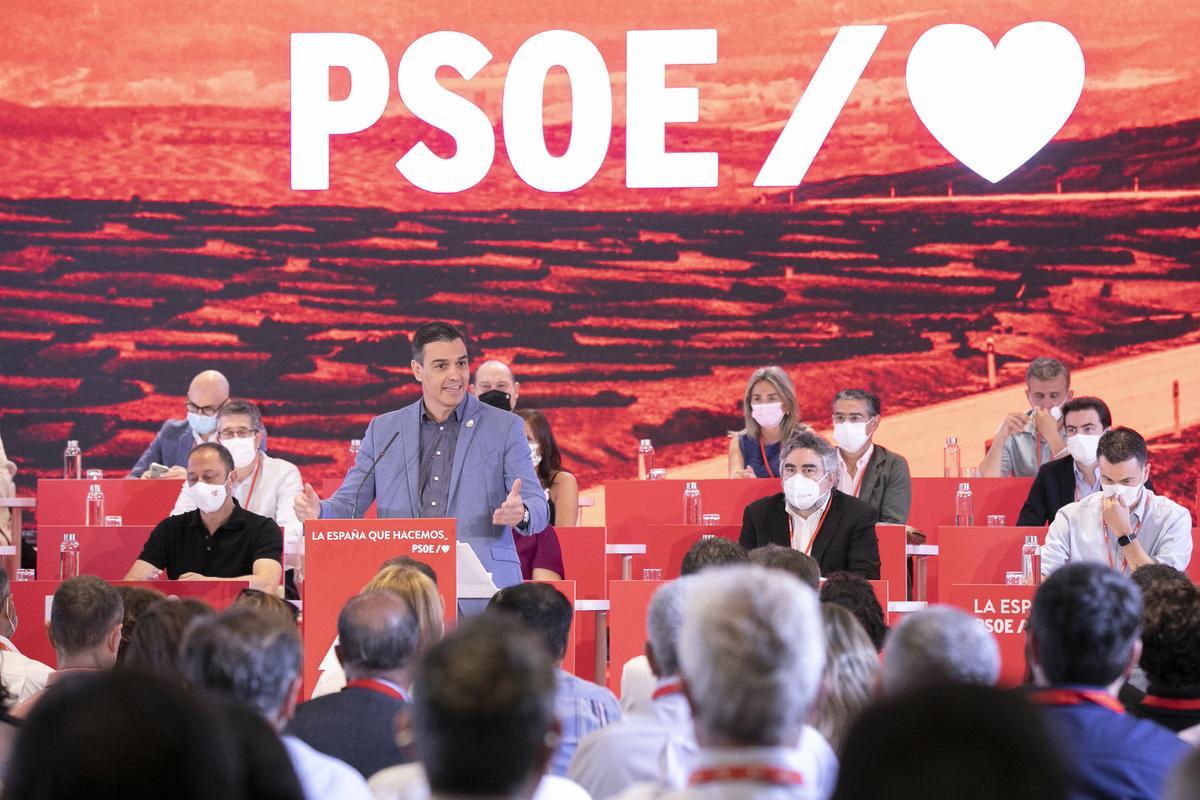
{"x":236,"y":521}
{"x":847,"y":483}
{"x":1084,"y":481}
{"x":803,"y":530}
{"x":63,"y":674}
{"x":787,"y":758}
{"x":457,"y":414}
{"x":1138,"y":512}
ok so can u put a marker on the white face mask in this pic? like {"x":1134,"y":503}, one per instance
{"x":1082,"y":447}
{"x":850,"y":436}
{"x":1128,"y":494}
{"x":768,"y":415}
{"x":242,"y":450}
{"x":802,"y":493}
{"x":535,"y":453}
{"x":208,"y":497}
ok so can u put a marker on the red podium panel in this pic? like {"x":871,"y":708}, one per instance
{"x":979,"y":555}
{"x":32,"y":600}
{"x":1004,"y":610}
{"x":881,"y":595}
{"x":893,"y":560}
{"x":137,"y":502}
{"x":666,"y":545}
{"x":583,"y":559}
{"x":570,"y":660}
{"x":628,"y":601}
{"x":631,"y":505}
{"x":342,"y":555}
{"x":107,"y":553}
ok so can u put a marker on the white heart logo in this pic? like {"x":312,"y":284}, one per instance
{"x":994,"y":108}
{"x":445,"y":548}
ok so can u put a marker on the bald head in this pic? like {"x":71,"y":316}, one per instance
{"x":496,"y":375}
{"x":209,"y":389}
{"x":377,"y":633}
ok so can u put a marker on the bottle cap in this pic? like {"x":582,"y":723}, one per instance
{"x":691,"y":485}
{"x":951,"y":440}
{"x":644,"y":443}
{"x":72,"y":443}
{"x":68,"y":537}
{"x":356,"y":443}
{"x":1031,"y":538}
{"x":964,"y":487}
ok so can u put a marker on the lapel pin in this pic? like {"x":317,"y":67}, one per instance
{"x":470,"y":423}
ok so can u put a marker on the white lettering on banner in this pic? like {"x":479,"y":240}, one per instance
{"x":431,"y":548}
{"x":1017,"y":609}
{"x":376,"y":535}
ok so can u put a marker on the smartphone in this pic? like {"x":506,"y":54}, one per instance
{"x":157,"y":470}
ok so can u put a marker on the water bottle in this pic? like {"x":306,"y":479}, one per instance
{"x":95,"y":505}
{"x":1031,"y":560}
{"x":355,"y":446}
{"x":964,"y":507}
{"x":73,"y":460}
{"x":691,"y":504}
{"x":951,"y":458}
{"x":645,"y":458}
{"x":68,"y":557}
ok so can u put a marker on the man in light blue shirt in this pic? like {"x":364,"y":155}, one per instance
{"x":1028,"y":439}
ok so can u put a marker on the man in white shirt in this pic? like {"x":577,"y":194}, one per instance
{"x":1124,"y":525}
{"x":22,"y":676}
{"x":1028,"y":439}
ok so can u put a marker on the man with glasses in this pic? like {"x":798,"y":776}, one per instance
{"x":207,"y":393}
{"x":873,"y":474}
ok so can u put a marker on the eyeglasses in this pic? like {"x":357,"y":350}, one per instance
{"x":204,"y":411}
{"x":239,"y":433}
{"x":840,"y":418}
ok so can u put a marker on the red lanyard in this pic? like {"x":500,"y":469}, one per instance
{"x":1173,"y":703}
{"x":253,"y":483}
{"x":373,"y":685}
{"x":862,"y":471}
{"x":669,"y":687}
{"x":1108,"y":548}
{"x":766,"y":461}
{"x":757,"y":773}
{"x":1074,"y":697}
{"x":816,"y":531}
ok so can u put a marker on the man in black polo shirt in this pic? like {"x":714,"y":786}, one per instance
{"x":220,"y":540}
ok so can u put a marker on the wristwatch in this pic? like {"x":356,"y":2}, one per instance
{"x":1125,"y":540}
{"x":524,"y":523}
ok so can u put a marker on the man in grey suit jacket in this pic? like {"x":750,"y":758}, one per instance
{"x":446,"y":455}
{"x":875,"y":475}
{"x":207,"y":392}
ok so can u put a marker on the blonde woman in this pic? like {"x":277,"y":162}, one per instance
{"x":851,"y":675}
{"x":771,"y":417}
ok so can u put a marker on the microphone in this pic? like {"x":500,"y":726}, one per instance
{"x":370,"y":472}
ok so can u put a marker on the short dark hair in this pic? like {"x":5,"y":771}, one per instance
{"x":1085,"y":620}
{"x":221,"y":451}
{"x":1120,"y":444}
{"x":377,"y":632}
{"x":409,"y":561}
{"x":268,"y":603}
{"x":433,"y":332}
{"x":135,"y":600}
{"x":1089,"y":403}
{"x":1171,"y":635}
{"x":241,"y":407}
{"x":874,"y":407}
{"x":245,"y":655}
{"x":712,"y":551}
{"x":155,"y":642}
{"x":855,"y":593}
{"x":1156,"y":574}
{"x":483,"y":703}
{"x":540,"y":606}
{"x":802,"y":565}
{"x":85,"y":610}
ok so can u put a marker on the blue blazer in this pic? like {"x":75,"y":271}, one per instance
{"x":491,"y":454}
{"x":170,"y":447}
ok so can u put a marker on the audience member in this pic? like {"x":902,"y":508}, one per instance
{"x":8,"y":471}
{"x":582,"y":706}
{"x":870,"y":472}
{"x":800,"y":565}
{"x":1184,"y":781}
{"x":21,"y":676}
{"x":560,"y":486}
{"x":218,"y":541}
{"x":135,"y":599}
{"x":751,"y":654}
{"x":938,"y":646}
{"x":1082,"y":641}
{"x":495,"y":385}
{"x":858,"y":596}
{"x":1170,"y":657}
{"x":247,"y":656}
{"x":1028,"y":439}
{"x":155,"y":643}
{"x":951,"y":741}
{"x":851,"y":675}
{"x":85,"y":629}
{"x":772,"y":417}
{"x":812,"y":515}
{"x":174,"y":442}
{"x":1124,"y":526}
{"x":377,"y":644}
{"x":267,"y":772}
{"x":270,"y":604}
{"x":408,"y":561}
{"x":264,"y":485}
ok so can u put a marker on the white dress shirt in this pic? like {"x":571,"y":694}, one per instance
{"x":850,"y":484}
{"x":1077,"y":534}
{"x":22,"y":676}
{"x":805,"y":528}
{"x":637,"y":684}
{"x":781,"y":758}
{"x":324,"y":777}
{"x":656,"y":743}
{"x":407,"y":782}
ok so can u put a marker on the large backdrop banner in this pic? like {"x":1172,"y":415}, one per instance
{"x":634,"y":204}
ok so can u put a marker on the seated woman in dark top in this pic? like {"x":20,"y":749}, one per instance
{"x":540,"y":554}
{"x":771,"y":417}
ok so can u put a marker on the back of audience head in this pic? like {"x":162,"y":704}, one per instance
{"x":1171,"y":635}
{"x":269,"y":604}
{"x":247,"y":656}
{"x":266,"y":768}
{"x":377,"y":636}
{"x":409,"y":561}
{"x":483,"y":710}
{"x":851,"y":675}
{"x":156,"y":641}
{"x":974,"y":741}
{"x":116,"y":734}
{"x":856,"y":594}
{"x":799,"y":565}
{"x":136,"y":599}
{"x":712,"y":551}
{"x":664,"y":618}
{"x":85,"y":623}
{"x":544,"y":609}
{"x":1157,"y":575}
{"x":412,"y":584}
{"x":1084,"y":627}
{"x":748,"y":621}
{"x":940,"y":645}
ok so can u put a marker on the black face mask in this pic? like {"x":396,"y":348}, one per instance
{"x":497,"y":398}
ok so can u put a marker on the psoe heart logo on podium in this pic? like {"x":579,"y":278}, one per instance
{"x":994,"y":108}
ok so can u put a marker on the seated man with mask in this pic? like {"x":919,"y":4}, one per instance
{"x":206,"y":394}
{"x":870,"y":472}
{"x":1125,"y":525}
{"x":812,"y":515}
{"x":495,"y":385}
{"x":220,"y":540}
{"x":1028,"y":439}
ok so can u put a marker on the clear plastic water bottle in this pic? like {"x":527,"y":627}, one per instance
{"x":964,"y":506}
{"x":352,"y":453}
{"x":645,"y":458}
{"x":691,"y":504}
{"x":1031,"y":560}
{"x":73,"y":460}
{"x":951,"y":458}
{"x":95,"y":505}
{"x":68,"y":557}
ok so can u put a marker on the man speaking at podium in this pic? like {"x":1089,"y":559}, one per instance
{"x":446,"y":455}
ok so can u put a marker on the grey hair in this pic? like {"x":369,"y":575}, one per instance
{"x":871,"y":399}
{"x":240,"y":406}
{"x":939,"y":645}
{"x":1046,"y":369}
{"x":751,"y":650}
{"x":809,"y":440}
{"x":664,"y":618}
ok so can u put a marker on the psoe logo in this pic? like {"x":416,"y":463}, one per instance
{"x":431,"y":548}
{"x":993,"y":107}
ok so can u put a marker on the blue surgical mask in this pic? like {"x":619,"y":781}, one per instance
{"x":201,"y":424}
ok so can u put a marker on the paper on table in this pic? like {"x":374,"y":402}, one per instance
{"x":473,"y":580}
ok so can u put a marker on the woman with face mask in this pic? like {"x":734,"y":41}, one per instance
{"x":770,"y":408}
{"x":540,"y":554}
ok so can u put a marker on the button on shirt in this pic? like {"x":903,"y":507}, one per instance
{"x":438,"y":440}
{"x":1077,"y":533}
{"x":181,"y":544}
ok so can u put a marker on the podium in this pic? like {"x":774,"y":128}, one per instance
{"x":137,"y":502}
